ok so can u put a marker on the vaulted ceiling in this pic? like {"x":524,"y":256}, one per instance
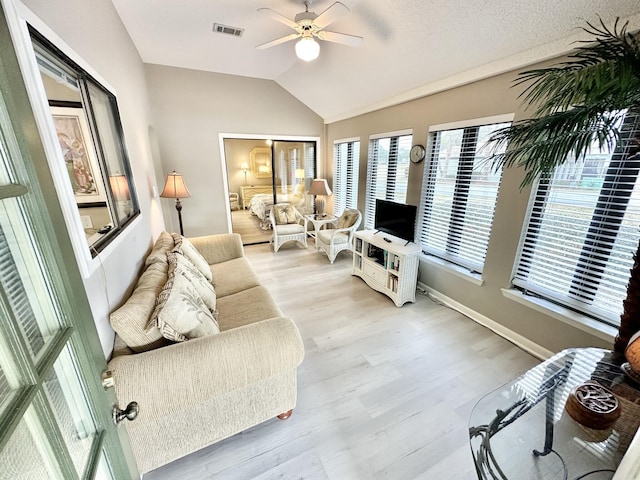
{"x":410,"y":48}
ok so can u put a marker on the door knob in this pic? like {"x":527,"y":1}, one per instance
{"x":129,"y":413}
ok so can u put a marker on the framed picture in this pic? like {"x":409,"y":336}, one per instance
{"x":78,"y":153}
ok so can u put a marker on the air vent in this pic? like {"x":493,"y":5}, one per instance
{"x":227,"y":30}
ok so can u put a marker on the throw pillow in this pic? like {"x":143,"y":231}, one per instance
{"x":158,"y":253}
{"x":284,"y":214}
{"x":180,"y":312}
{"x":186,"y":248}
{"x":180,"y":265}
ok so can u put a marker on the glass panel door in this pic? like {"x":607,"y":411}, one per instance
{"x":55,"y":417}
{"x":294,"y":168}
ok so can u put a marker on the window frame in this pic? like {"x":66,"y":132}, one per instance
{"x":345,"y":189}
{"x":372,"y":168}
{"x":89,"y":258}
{"x":598,"y":244}
{"x":464,"y":181}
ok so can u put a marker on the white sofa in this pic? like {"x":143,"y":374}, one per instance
{"x":194,"y":393}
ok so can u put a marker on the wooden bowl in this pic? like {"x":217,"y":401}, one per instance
{"x":593,"y":406}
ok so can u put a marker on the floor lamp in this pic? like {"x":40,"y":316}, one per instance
{"x":174,"y":187}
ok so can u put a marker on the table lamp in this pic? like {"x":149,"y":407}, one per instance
{"x":174,"y":187}
{"x":320,"y":188}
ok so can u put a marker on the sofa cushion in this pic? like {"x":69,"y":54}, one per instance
{"x":164,"y":244}
{"x":186,"y":248}
{"x":233,"y":276}
{"x":249,"y":306}
{"x":131,"y":320}
{"x":180,"y":312}
{"x":180,"y":265}
{"x":284,"y":214}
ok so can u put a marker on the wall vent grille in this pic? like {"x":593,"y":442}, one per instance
{"x":227,"y":30}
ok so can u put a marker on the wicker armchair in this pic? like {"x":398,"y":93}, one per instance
{"x":288,"y":225}
{"x":334,"y":240}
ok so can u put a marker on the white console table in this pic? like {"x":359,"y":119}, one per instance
{"x":387,"y":264}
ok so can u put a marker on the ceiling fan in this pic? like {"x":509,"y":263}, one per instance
{"x":309,"y":25}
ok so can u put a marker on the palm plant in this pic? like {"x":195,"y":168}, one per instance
{"x":578,"y":103}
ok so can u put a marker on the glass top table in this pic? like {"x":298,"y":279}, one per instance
{"x":522,"y":431}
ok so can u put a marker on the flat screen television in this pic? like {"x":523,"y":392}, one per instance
{"x":397,"y":219}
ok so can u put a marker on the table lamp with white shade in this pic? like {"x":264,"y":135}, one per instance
{"x":320,"y":188}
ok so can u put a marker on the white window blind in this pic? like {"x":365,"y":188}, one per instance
{"x":459,"y":195}
{"x":346,"y":159}
{"x":583,"y":229}
{"x":387,"y":172}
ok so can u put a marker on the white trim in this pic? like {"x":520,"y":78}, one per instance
{"x":475,"y":122}
{"x":581,"y":322}
{"x":515,"y":338}
{"x":346,"y":140}
{"x":398,"y":133}
{"x":629,"y":467}
{"x":452,"y":268}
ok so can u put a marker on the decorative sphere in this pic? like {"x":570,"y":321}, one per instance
{"x":632,"y":352}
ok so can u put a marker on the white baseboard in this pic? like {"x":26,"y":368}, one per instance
{"x":515,"y":338}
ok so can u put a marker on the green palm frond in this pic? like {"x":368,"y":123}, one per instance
{"x":578,"y":103}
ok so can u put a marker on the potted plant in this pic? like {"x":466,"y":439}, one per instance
{"x":577,"y":103}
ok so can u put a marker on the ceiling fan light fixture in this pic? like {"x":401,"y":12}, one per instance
{"x":307,"y":49}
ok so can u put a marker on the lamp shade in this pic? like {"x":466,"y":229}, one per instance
{"x":244,"y":166}
{"x":319,"y":187}
{"x":175,"y":187}
{"x":307,"y":49}
{"x":120,"y":187}
{"x":299,"y":173}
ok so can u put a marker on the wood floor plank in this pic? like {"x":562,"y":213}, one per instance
{"x":383,"y":392}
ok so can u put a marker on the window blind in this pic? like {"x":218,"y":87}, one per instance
{"x":459,"y":196}
{"x":346,"y":159}
{"x":387,"y":172}
{"x":583,"y":229}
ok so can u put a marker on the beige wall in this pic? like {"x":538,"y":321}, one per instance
{"x":95,"y":34}
{"x":237,"y":151}
{"x":493,"y":96}
{"x":191,"y":108}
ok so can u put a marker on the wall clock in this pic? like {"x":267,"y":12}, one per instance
{"x":417,"y":153}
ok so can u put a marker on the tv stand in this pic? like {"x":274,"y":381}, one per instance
{"x":386,"y":265}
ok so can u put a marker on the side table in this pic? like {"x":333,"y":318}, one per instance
{"x":522,"y":430}
{"x":318,"y":222}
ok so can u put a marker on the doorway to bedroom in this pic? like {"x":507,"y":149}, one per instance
{"x":262,"y":172}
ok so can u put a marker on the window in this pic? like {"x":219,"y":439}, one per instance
{"x":459,"y":194}
{"x":87,"y":123}
{"x":582,"y":230}
{"x":346,"y":159}
{"x":387,"y":171}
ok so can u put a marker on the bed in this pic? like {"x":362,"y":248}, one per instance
{"x":261,"y":203}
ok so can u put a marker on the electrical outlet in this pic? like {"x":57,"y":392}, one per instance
{"x":86,"y":221}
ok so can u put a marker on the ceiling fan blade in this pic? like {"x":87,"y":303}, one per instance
{"x":343,"y":38}
{"x":278,"y":16}
{"x":278,"y":41}
{"x":331,"y":14}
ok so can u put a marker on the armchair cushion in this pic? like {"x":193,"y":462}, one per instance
{"x":348,"y":218}
{"x":284,"y":214}
{"x":186,"y":248}
{"x":332,"y":236}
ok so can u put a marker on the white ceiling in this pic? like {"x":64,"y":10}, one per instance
{"x":410,"y":48}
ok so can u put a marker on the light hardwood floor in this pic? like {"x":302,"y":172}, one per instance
{"x":383,"y":392}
